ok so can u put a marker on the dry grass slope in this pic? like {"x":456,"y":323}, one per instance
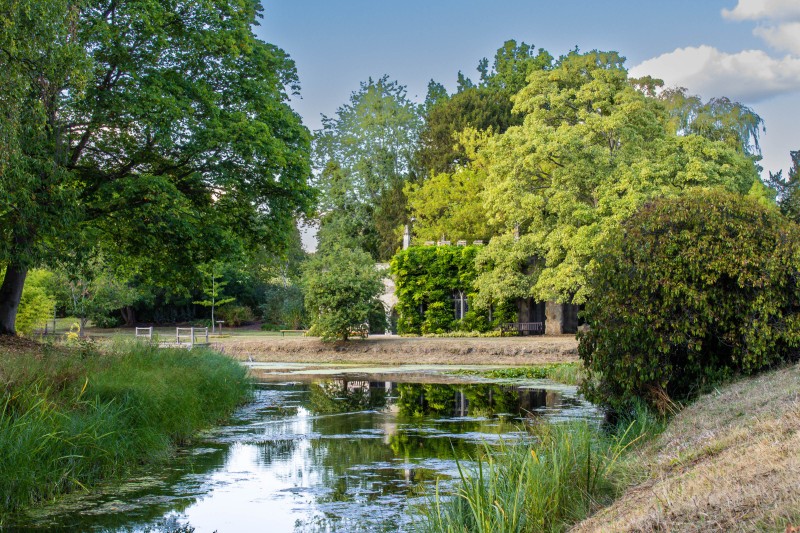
{"x":729,"y":462}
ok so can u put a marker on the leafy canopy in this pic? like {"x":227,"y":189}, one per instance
{"x":591,"y":149}
{"x":158,"y":131}
{"x":364,"y":157}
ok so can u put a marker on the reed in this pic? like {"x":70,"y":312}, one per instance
{"x":563,"y":475}
{"x":70,"y":418}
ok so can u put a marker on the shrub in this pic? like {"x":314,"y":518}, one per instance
{"x":692,"y":289}
{"x":341,"y":286}
{"x":236,"y":315}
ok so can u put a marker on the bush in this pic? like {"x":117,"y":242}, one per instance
{"x":236,"y":315}
{"x":691,"y":290}
{"x":342,"y":286}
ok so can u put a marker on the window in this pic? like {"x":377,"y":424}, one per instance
{"x":460,"y":304}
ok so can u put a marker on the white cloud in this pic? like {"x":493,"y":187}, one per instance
{"x":749,"y":76}
{"x":764,"y":9}
{"x":781,"y":37}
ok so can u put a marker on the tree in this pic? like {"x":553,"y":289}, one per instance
{"x":37,"y":304}
{"x":212,"y":289}
{"x":486,"y":106}
{"x":40,"y":57}
{"x":478,"y":108}
{"x":90,"y":290}
{"x":691,"y":289}
{"x":449,"y":205}
{"x":591,"y":149}
{"x":788,"y":189}
{"x":159,"y":131}
{"x":719,"y":119}
{"x":341,"y":286}
{"x":370,"y":142}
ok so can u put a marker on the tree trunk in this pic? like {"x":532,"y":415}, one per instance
{"x":10,"y":294}
{"x":128,"y":315}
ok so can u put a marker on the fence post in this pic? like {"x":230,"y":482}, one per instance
{"x":206,"y":335}
{"x":191,"y":337}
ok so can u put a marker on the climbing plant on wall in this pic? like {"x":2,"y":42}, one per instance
{"x":429,"y":280}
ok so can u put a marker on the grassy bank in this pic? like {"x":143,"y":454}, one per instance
{"x":71,"y":417}
{"x":566,"y":473}
{"x":730,"y":461}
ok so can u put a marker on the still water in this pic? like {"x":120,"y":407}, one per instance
{"x":335,"y":455}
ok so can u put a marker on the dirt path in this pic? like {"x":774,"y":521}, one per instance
{"x":393,"y":350}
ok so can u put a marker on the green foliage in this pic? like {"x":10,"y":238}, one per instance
{"x":692,"y":289}
{"x":567,"y":473}
{"x":91,"y":291}
{"x":449,"y":206}
{"x":236,"y":315}
{"x":591,"y":149}
{"x":719,"y":119}
{"x":161,"y":130}
{"x":213,"y":286}
{"x":36,"y":305}
{"x":788,"y":189}
{"x":364,"y":155}
{"x":72,"y":418}
{"x":341,"y":286}
{"x":283,"y":306}
{"x":486,"y":106}
{"x":426,"y":279}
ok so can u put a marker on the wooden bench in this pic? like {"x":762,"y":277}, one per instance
{"x":532,"y":328}
{"x":284,"y":331}
{"x":360,"y":331}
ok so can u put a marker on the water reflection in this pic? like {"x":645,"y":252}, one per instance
{"x":341,"y":454}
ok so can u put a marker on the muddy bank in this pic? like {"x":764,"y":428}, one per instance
{"x":394,"y":350}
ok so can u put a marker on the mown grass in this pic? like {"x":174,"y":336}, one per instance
{"x":71,"y":417}
{"x":564,"y":475}
{"x":567,"y":373}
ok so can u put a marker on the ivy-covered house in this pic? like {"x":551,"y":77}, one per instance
{"x":434,"y":287}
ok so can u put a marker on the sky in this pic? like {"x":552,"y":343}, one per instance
{"x":747,"y":50}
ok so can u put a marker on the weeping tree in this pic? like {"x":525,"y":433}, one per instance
{"x":157,"y":131}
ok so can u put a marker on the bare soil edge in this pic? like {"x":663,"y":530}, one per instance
{"x":728,"y":462}
{"x":400,"y":350}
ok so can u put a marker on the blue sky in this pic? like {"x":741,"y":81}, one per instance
{"x":748,"y":50}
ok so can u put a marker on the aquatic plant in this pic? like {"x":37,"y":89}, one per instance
{"x":70,"y":418}
{"x":561,"y":476}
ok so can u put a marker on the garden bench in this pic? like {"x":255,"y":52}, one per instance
{"x":532,"y":328}
{"x":361,"y":331}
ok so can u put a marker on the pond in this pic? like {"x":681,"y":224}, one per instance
{"x":341,"y":454}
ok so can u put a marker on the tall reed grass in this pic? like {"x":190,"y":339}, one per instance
{"x":72,"y":417}
{"x":567,"y":472}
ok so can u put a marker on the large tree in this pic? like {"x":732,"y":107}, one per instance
{"x":370,"y":143}
{"x":483,"y":106}
{"x":593,"y":146}
{"x":158,"y":131}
